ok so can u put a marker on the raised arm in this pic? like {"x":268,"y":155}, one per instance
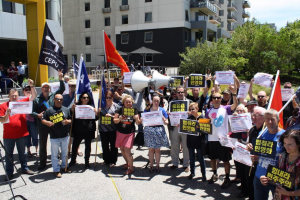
{"x":185,"y":87}
{"x":250,"y":89}
{"x":61,"y":88}
{"x":33,"y":90}
{"x":233,"y":92}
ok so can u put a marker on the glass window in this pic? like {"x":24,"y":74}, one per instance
{"x":7,"y":6}
{"x":87,"y":7}
{"x":149,"y":58}
{"x":87,"y":40}
{"x":186,"y":15}
{"x":107,"y":21}
{"x":186,"y":36}
{"x":221,"y":12}
{"x":124,"y":2}
{"x":148,"y":37}
{"x":125,"y":19}
{"x":88,"y":23}
{"x":222,"y":24}
{"x":221,"y":1}
{"x":107,"y":4}
{"x":88,"y":57}
{"x":148,"y":17}
{"x":24,"y":10}
{"x":198,"y":35}
{"x":125,"y":38}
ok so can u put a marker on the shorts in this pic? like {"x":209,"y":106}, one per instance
{"x":124,"y":140}
{"x":217,"y":151}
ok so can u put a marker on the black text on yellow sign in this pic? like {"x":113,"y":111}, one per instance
{"x":205,"y":128}
{"x":196,"y":80}
{"x":113,"y":75}
{"x":128,"y":112}
{"x":178,"y":80}
{"x":57,"y":117}
{"x":178,"y":106}
{"x":188,"y":127}
{"x":106,"y":120}
{"x":278,"y":176}
{"x":264,"y":148}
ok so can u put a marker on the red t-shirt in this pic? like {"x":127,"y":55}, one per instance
{"x":17,"y":126}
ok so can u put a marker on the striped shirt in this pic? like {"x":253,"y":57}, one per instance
{"x":111,"y":110}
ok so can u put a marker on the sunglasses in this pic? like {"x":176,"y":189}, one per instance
{"x":72,"y":85}
{"x":216,"y":97}
{"x":180,"y":92}
{"x":85,"y":97}
{"x":287,"y":87}
{"x":108,"y":97}
{"x":58,"y":99}
{"x":27,"y":90}
{"x":191,"y":109}
{"x":260,"y":96}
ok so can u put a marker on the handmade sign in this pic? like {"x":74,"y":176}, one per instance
{"x":264,"y":148}
{"x":178,"y":106}
{"x":205,"y":126}
{"x":178,"y":80}
{"x":277,"y":176}
{"x":196,"y":81}
{"x":188,"y":127}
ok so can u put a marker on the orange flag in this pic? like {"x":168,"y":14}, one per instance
{"x":113,"y":56}
{"x":276,"y":103}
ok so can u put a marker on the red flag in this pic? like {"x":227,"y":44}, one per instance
{"x":113,"y":56}
{"x":276,"y":102}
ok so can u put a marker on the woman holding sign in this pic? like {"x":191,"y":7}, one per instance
{"x":196,"y":143}
{"x":83,"y":129}
{"x":289,"y":161}
{"x":125,"y":117}
{"x":155,"y":136}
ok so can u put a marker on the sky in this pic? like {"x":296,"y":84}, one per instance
{"x":275,"y":11}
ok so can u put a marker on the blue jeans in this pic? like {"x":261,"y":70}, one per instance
{"x":261,"y":192}
{"x":55,"y":144}
{"x":200,"y":159}
{"x":33,"y":133}
{"x":9,"y":146}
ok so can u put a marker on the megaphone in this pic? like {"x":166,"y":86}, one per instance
{"x":139,"y":81}
{"x":161,"y":80}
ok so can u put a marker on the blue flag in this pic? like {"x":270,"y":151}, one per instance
{"x":83,"y":81}
{"x":104,"y":89}
{"x":75,"y":66}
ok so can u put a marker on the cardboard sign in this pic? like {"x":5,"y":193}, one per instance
{"x":128,"y":112}
{"x":58,"y":117}
{"x":205,"y":126}
{"x":196,"y":81}
{"x":188,"y":127}
{"x":106,"y":120}
{"x":178,"y":106}
{"x":264,"y":148}
{"x":178,"y":80}
{"x":277,"y":176}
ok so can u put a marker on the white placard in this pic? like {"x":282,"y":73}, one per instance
{"x":227,"y":141}
{"x":243,"y":90}
{"x":55,"y":87}
{"x":286,"y":94}
{"x":241,"y":154}
{"x":84,"y":112}
{"x":152,"y":118}
{"x":263,"y":79}
{"x":240,"y":122}
{"x":20,"y":107}
{"x":224,"y":77}
{"x":127,"y":77}
{"x":176,"y":116}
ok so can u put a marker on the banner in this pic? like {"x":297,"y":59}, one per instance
{"x":178,"y":80}
{"x":286,"y":94}
{"x":278,"y":176}
{"x":51,"y":53}
{"x":196,"y":81}
{"x":22,"y":107}
{"x":127,"y":77}
{"x":264,"y":148}
{"x":55,"y":86}
{"x":75,"y":66}
{"x":263,"y":79}
{"x":224,"y":77}
{"x":84,"y":112}
{"x":243,"y":90}
{"x":178,"y":106}
{"x":241,"y":154}
{"x":176,"y":116}
{"x":152,"y":118}
{"x":188,"y":127}
{"x":240,"y":122}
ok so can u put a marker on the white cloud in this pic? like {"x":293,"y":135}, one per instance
{"x":275,"y":11}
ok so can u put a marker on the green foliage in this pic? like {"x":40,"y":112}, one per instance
{"x":94,"y":87}
{"x":52,"y":80}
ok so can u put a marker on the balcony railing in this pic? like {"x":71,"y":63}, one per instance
{"x":124,"y":7}
{"x":231,"y":5}
{"x":230,"y":27}
{"x":246,"y":4}
{"x":246,"y":14}
{"x":232,"y":17}
{"x":213,"y":18}
{"x":216,"y":2}
{"x":203,"y":4}
{"x":106,"y":10}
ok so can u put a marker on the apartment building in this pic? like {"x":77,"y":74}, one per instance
{"x":13,"y":32}
{"x":167,"y":26}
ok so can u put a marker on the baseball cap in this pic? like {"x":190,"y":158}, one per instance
{"x":253,"y":102}
{"x":26,"y":86}
{"x":45,"y":83}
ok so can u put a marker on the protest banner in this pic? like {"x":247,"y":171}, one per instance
{"x":188,"y":127}
{"x":278,"y":176}
{"x":178,"y":106}
{"x":128,"y":112}
{"x":127,"y":77}
{"x":196,"y":81}
{"x":240,"y":122}
{"x":224,"y":77}
{"x":55,"y":87}
{"x":243,"y":90}
{"x":264,"y":148}
{"x":22,"y":107}
{"x":263,"y":79}
{"x":152,"y":118}
{"x":178,"y":80}
{"x":106,"y":120}
{"x":241,"y":154}
{"x":286,"y":94}
{"x":176,"y":116}
{"x":205,"y":126}
{"x":84,"y":112}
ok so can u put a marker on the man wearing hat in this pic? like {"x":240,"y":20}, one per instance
{"x":251,"y":105}
{"x":40,"y":105}
{"x":68,"y":98}
{"x":226,"y":100}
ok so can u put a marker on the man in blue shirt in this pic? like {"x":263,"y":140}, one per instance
{"x":68,"y":98}
{"x":21,"y":73}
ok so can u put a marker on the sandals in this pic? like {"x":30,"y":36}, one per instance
{"x":151,"y":170}
{"x":129,"y":171}
{"x":125,"y":167}
{"x":158,"y":170}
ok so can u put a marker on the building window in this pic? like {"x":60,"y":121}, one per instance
{"x":125,"y":19}
{"x":125,"y":38}
{"x":74,"y":56}
{"x":107,"y":4}
{"x":24,"y":10}
{"x":87,"y":7}
{"x":186,"y":15}
{"x":88,"y":57}
{"x":221,"y":12}
{"x":108,"y":36}
{"x":124,"y":2}
{"x":148,"y":17}
{"x":148,"y":1}
{"x":186,"y":36}
{"x":88,"y":23}
{"x":221,"y":1}
{"x":198,"y":35}
{"x":149,"y":58}
{"x":148,"y":37}
{"x":222,"y":24}
{"x":87,"y":40}
{"x":7,"y":6}
{"x":107,"y":21}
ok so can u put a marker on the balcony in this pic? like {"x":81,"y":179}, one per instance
{"x":124,"y":7}
{"x":246,"y":4}
{"x":204,"y":25}
{"x":106,"y":10}
{"x":215,"y":20}
{"x":223,"y":33}
{"x":246,"y":14}
{"x":231,"y":6}
{"x":204,"y":6}
{"x":216,"y":3}
{"x":230,"y":28}
{"x":231,"y":18}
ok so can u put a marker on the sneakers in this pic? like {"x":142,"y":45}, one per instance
{"x":186,"y":169}
{"x":173,"y":167}
{"x":41,"y":167}
{"x":29,"y":172}
{"x":57,"y":174}
{"x":213,"y":179}
{"x":225,"y":184}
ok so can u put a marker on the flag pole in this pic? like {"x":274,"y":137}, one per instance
{"x":37,"y":73}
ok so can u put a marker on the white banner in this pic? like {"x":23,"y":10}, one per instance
{"x":240,"y":122}
{"x":286,"y":94}
{"x":241,"y":154}
{"x":152,"y":118}
{"x":227,"y":141}
{"x":176,"y":116}
{"x":224,"y":77}
{"x":263,"y":79}
{"x":127,"y":77}
{"x":55,"y":87}
{"x":84,"y":112}
{"x":243,"y":90}
{"x":21,"y":107}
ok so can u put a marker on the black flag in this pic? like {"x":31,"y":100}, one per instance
{"x":50,"y":53}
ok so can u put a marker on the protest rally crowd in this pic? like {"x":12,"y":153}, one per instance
{"x":219,"y":125}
